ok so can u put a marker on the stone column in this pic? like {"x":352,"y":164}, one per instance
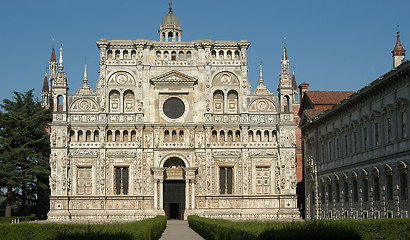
{"x":158,"y":177}
{"x":186,"y":194}
{"x":161,"y":194}
{"x":155,"y":194}
{"x":192,"y":194}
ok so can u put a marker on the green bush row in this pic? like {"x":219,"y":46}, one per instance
{"x":335,"y":230}
{"x":148,"y":229}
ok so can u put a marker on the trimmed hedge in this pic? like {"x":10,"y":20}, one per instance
{"x":148,"y":229}
{"x":315,"y":230}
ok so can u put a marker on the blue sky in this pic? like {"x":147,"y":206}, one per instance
{"x":333,"y":45}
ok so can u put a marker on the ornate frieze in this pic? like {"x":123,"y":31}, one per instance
{"x":84,"y":152}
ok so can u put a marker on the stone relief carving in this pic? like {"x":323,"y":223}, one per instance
{"x":226,"y":152}
{"x":84,"y":152}
{"x":120,"y":153}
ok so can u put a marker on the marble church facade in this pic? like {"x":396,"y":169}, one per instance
{"x":171,"y":129}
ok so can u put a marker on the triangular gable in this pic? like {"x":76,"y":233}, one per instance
{"x":174,"y":77}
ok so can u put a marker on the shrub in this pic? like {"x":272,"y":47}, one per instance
{"x":335,"y":230}
{"x":146,"y":229}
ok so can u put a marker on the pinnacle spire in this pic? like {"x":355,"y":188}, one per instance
{"x":260,"y":74}
{"x":60,"y":62}
{"x":170,"y":6}
{"x":294,"y":84}
{"x":398,"y":48}
{"x":85,"y":80}
{"x":45,"y":84}
{"x":398,"y":52}
{"x":53,"y":55}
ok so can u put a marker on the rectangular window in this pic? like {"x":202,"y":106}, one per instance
{"x":403,"y":125}
{"x":365,"y":190}
{"x":346,"y":146}
{"x":225,"y":180}
{"x":346,"y":191}
{"x":329,"y":146}
{"x":389,"y":131}
{"x":323,"y":153}
{"x":84,"y":181}
{"x":403,"y":186}
{"x":376,"y":192}
{"x":121,"y":180}
{"x":355,"y":142}
{"x":337,"y":192}
{"x":364,"y":138}
{"x":389,"y":187}
{"x":263,"y":180}
{"x":376,"y":134}
{"x":337,"y":148}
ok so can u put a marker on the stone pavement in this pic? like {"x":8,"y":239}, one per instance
{"x":179,"y":230}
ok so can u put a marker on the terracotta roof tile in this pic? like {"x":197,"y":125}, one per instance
{"x":327,"y":97}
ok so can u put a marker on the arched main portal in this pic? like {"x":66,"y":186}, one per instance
{"x":174,"y":188}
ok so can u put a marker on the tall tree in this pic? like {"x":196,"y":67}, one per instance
{"x":24,"y":148}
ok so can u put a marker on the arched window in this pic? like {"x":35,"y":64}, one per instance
{"x":177,"y":38}
{"x":170,"y":35}
{"x":221,"y":136}
{"x":229,"y":54}
{"x":214,"y":136}
{"x":218,"y":102}
{"x":286,"y":104}
{"x":133,"y":136}
{"x":274,"y":135}
{"x":158,"y":54}
{"x":109,"y":136}
{"x":109,"y":55}
{"x":88,"y":136}
{"x":221,"y":54}
{"x":181,"y":55}
{"x":114,"y":101}
{"x":174,"y":135}
{"x":166,"y":136}
{"x":125,"y":136}
{"x":258,"y":136}
{"x":330,"y":191}
{"x":80,"y":136}
{"x":250,"y":136}
{"x":236,"y":55}
{"x":189,"y":55}
{"x":173,"y":56}
{"x":117,"y":136}
{"x":230,"y":136}
{"x":213,"y":54}
{"x":129,"y":101}
{"x":125,"y":54}
{"x":266,"y":136}
{"x":60,"y":102}
{"x":96,"y":136}
{"x":133,"y":54}
{"x":232,"y":102}
{"x":181,"y":136}
{"x":238,"y":136}
{"x":166,"y":54}
{"x":72,"y":136}
{"x":117,"y":54}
